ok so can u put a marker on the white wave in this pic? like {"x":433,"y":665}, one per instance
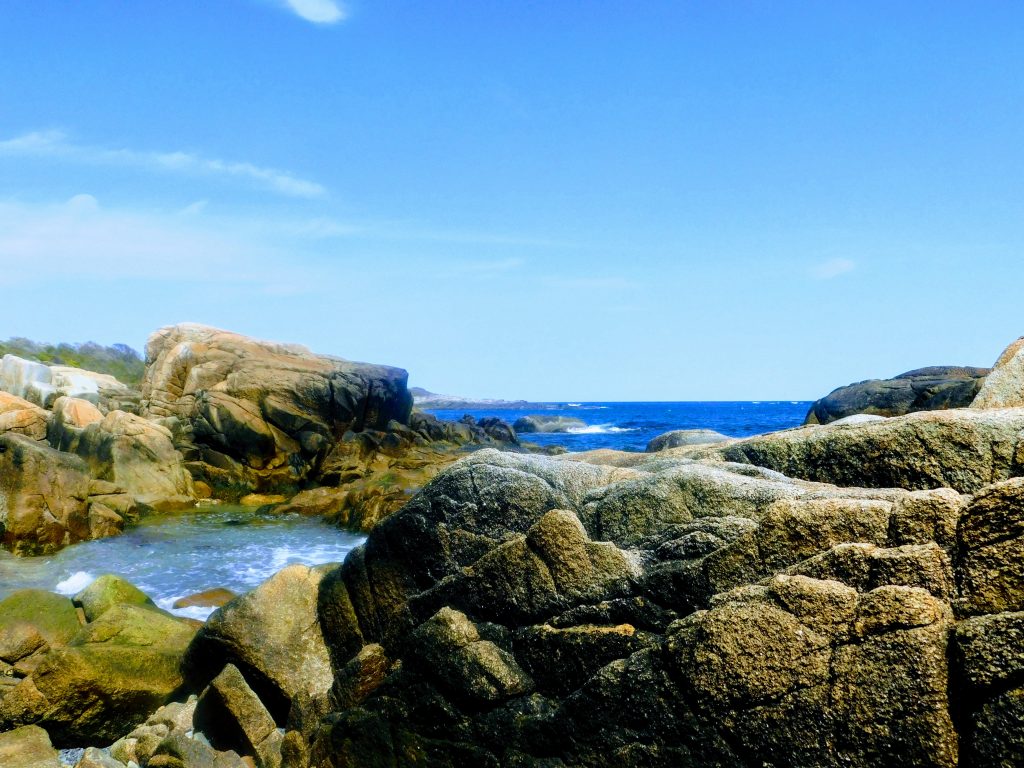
{"x":599,"y":429}
{"x":74,"y":583}
{"x":198,"y":612}
{"x":574,"y":405}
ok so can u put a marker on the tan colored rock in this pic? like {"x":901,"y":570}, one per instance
{"x":209,"y":598}
{"x":27,"y":747}
{"x":135,"y":454}
{"x":75,"y":412}
{"x":43,"y":496}
{"x":963,"y":449}
{"x":272,"y":635}
{"x":261,"y":499}
{"x":1004,"y":386}
{"x":261,"y":412}
{"x":22,"y":417}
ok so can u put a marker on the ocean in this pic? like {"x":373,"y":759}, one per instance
{"x":630,"y":426}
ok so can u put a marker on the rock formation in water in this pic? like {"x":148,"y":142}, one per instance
{"x":924,"y":389}
{"x":547,"y":423}
{"x":681,"y":437}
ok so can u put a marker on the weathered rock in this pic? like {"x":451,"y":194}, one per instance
{"x":27,"y":747}
{"x":963,"y":449}
{"x":114,"y":672}
{"x":180,"y":751}
{"x":53,"y":617}
{"x":22,"y":417}
{"x":97,"y":758}
{"x":924,"y":389}
{"x":19,"y":641}
{"x":232,"y":717}
{"x":142,"y":743}
{"x":43,"y":496}
{"x":272,"y":635}
{"x":109,"y":590}
{"x":75,"y":412}
{"x":990,"y":548}
{"x":208,"y":598}
{"x":1004,"y":386}
{"x":135,"y":454}
{"x":547,"y":423}
{"x":680,"y":437}
{"x":260,"y":413}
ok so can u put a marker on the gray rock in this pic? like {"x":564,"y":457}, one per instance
{"x":680,"y":437}
{"x":547,"y":423}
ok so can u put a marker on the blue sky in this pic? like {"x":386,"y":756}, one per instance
{"x":565,"y":200}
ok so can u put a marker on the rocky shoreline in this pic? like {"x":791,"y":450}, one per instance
{"x":847,"y":594}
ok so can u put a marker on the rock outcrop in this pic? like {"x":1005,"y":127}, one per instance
{"x":1004,"y":386}
{"x":85,"y":682}
{"x":548,"y":423}
{"x":535,"y":611}
{"x":680,"y":437}
{"x":924,"y":389}
{"x":260,"y":414}
{"x":965,"y":449}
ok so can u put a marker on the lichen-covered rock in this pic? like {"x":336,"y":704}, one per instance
{"x":963,"y":449}
{"x":22,"y":417}
{"x":114,"y":672}
{"x":272,"y":635}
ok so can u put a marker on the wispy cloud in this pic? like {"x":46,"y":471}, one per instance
{"x":317,"y":11}
{"x":81,"y":240}
{"x":56,"y":145}
{"x":832,"y":268}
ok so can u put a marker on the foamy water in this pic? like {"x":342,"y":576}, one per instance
{"x":170,"y":557}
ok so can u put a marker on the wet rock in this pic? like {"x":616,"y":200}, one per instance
{"x":208,"y":598}
{"x":547,"y":423}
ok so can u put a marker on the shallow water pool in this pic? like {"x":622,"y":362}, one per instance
{"x":171,"y":556}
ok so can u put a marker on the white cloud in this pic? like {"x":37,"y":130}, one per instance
{"x":55,"y":144}
{"x":833,"y":268}
{"x":81,"y":240}
{"x":318,"y":11}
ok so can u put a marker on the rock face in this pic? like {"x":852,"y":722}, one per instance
{"x":965,"y":449}
{"x":260,"y":413}
{"x":1004,"y":386}
{"x":27,"y":747}
{"x":22,"y":417}
{"x":680,"y":437}
{"x":925,"y":389}
{"x":87,"y":683}
{"x":546,"y":423}
{"x":540,"y":612}
{"x":271,"y":634}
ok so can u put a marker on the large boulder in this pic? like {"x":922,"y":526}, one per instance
{"x":1004,"y":386}
{"x":680,"y":437}
{"x":258,"y":413}
{"x":964,"y":449}
{"x":925,"y":389}
{"x":114,"y":672}
{"x":134,"y":453}
{"x":548,"y":423}
{"x":271,"y":634}
{"x":43,"y":496}
{"x":22,"y":417}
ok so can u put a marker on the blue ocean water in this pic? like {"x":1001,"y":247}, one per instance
{"x":629,"y":426}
